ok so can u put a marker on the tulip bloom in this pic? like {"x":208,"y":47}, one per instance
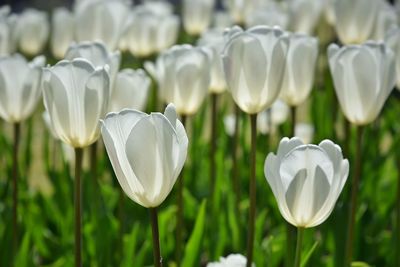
{"x":300,"y":68}
{"x":62,"y":33}
{"x":392,"y":39}
{"x":268,"y":120}
{"x":238,"y":9}
{"x":197,"y":15}
{"x":98,"y":54}
{"x":8,"y":33}
{"x":20,"y":88}
{"x":304,"y":15}
{"x":100,"y":20}
{"x":76,"y":97}
{"x":306,"y":180}
{"x":355,"y":19}
{"x":33,"y":31}
{"x":214,"y":40}
{"x":147,"y":152}
{"x":131,"y":90}
{"x":232,"y":260}
{"x":255,"y":89}
{"x":269,"y":15}
{"x":386,"y":19}
{"x":364,"y":76}
{"x":185,"y":78}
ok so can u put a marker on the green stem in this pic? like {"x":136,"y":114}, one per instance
{"x":354,"y":199}
{"x":78,"y":206}
{"x":300,"y":233}
{"x":398,"y":214}
{"x":235,"y":169}
{"x":156,"y":237}
{"x":252,"y":190}
{"x":180,"y":223}
{"x":213,"y":146}
{"x":293,"y":121}
{"x":17,"y":135}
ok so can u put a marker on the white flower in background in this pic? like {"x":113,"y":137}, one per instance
{"x":33,"y":31}
{"x":147,"y":152}
{"x":363,"y":75}
{"x":214,"y":40}
{"x":306,"y":180}
{"x":197,"y":15}
{"x":186,"y":77}
{"x":8,"y":33}
{"x":131,"y":90}
{"x":98,"y":54}
{"x":255,"y":88}
{"x":20,"y":89}
{"x":156,"y":71}
{"x":229,"y":124}
{"x":304,"y":131}
{"x":385,"y":20}
{"x":222,"y":20}
{"x":355,"y":19}
{"x":392,"y":39}
{"x":76,"y":96}
{"x":159,"y":7}
{"x":62,"y":33}
{"x":232,"y":260}
{"x":301,"y":61}
{"x":329,"y":12}
{"x":272,"y":14}
{"x":238,"y":9}
{"x":304,"y":15}
{"x":101,"y":20}
{"x":268,"y":120}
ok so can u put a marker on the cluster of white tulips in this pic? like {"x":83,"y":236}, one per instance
{"x":264,"y":53}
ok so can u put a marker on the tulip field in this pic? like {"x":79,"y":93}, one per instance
{"x":257,"y":133}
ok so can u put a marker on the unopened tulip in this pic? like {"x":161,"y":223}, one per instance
{"x":269,"y":15}
{"x":238,"y":9}
{"x":20,"y":88}
{"x":62,"y":33}
{"x":101,"y":20}
{"x":147,"y":152}
{"x":355,"y":19}
{"x":33,"y":31}
{"x":300,"y":68}
{"x":268,"y":120}
{"x":392,"y":39}
{"x":98,"y":54}
{"x":363,"y":75}
{"x":222,"y":20}
{"x":185,"y":78}
{"x":305,"y":132}
{"x":254,"y":89}
{"x":233,"y":260}
{"x":214,"y":40}
{"x":8,"y":33}
{"x":306,"y":180}
{"x":76,"y":96}
{"x":305,"y":15}
{"x":197,"y":15}
{"x":131,"y":90}
{"x":386,"y":19}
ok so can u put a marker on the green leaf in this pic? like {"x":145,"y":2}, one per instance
{"x":359,"y":264}
{"x":192,"y":249}
{"x":307,"y":257}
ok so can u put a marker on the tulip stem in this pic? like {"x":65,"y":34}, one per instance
{"x":235,"y":169}
{"x":398,"y":214}
{"x":300,"y":233}
{"x":213,"y":145}
{"x":179,"y":224}
{"x":354,"y":198}
{"x":293,"y":118}
{"x":156,"y":237}
{"x":78,"y":206}
{"x":17,"y":134}
{"x":252,"y":190}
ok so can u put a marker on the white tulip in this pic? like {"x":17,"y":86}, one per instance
{"x":131,"y":90}
{"x":33,"y":31}
{"x":363,"y":75}
{"x":392,"y":39}
{"x":185,"y":77}
{"x":101,"y":20}
{"x":8,"y":33}
{"x":76,"y":97}
{"x":255,"y":88}
{"x":355,"y":19}
{"x":300,"y":68}
{"x":147,"y":152}
{"x":305,"y":132}
{"x":305,"y":15}
{"x":229,"y":124}
{"x":222,"y":20}
{"x":385,"y":20}
{"x":306,"y":180}
{"x":160,"y":7}
{"x":98,"y":54}
{"x":269,"y":119}
{"x":20,"y":88}
{"x":232,"y":260}
{"x":156,"y":71}
{"x":197,"y":15}
{"x":214,"y":40}
{"x":62,"y":34}
{"x":238,"y":9}
{"x":269,"y":15}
